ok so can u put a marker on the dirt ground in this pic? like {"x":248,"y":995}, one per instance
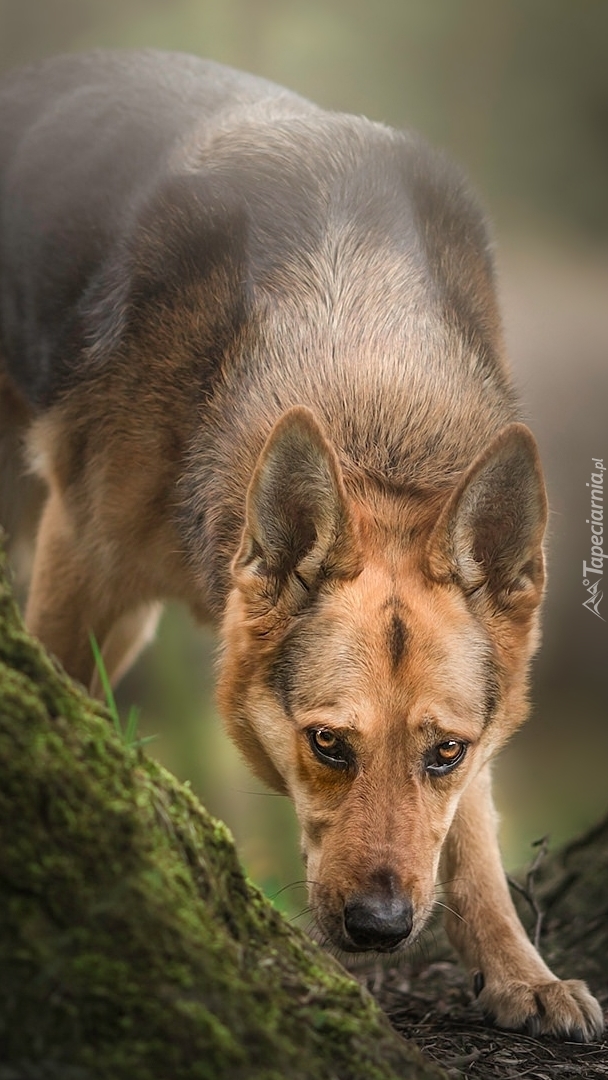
{"x":436,"y":1008}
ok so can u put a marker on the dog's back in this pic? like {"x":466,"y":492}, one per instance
{"x":88,"y":144}
{"x":352,"y":255}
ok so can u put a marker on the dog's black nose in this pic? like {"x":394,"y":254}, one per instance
{"x":378,"y":921}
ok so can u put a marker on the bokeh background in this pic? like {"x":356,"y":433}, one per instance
{"x":517,"y":90}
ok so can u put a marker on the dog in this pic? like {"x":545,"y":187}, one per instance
{"x":251,"y":356}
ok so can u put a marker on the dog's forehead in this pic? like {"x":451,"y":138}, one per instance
{"x":387,"y":644}
{"x":398,"y":613}
{"x":417,"y":636}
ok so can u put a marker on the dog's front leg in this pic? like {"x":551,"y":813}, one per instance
{"x":517,"y":987}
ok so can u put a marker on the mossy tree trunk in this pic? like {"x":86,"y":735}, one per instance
{"x":131,"y":945}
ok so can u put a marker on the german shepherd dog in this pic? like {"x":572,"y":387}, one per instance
{"x":253,"y":350}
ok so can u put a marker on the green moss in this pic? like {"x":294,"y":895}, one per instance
{"x":131,"y":945}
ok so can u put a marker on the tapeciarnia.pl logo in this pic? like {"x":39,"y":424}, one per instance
{"x":596,"y":564}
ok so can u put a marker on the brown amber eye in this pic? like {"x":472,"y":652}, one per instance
{"x":449,"y":751}
{"x":445,"y":757}
{"x":325,"y":739}
{"x":330,"y":748}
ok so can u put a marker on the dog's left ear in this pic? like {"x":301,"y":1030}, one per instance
{"x":490,"y":532}
{"x":299,"y":528}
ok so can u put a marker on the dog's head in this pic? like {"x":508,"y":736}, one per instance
{"x":375,"y":657}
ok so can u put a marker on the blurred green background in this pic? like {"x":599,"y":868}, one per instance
{"x":517,"y":90}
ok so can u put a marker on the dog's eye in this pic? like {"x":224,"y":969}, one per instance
{"x":330,"y":748}
{"x":445,"y":757}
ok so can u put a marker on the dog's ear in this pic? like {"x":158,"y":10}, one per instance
{"x":298,"y":529}
{"x":491,"y":530}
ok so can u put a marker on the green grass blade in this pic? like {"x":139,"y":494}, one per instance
{"x":105,"y":682}
{"x":129,"y":732}
{"x":131,"y":727}
{"x":147,"y":739}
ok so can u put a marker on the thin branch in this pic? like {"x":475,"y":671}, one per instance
{"x":528,"y":891}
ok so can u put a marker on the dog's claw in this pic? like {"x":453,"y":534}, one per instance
{"x":533,"y":1026}
{"x":478,"y":983}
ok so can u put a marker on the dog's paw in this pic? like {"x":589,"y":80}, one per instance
{"x":565,"y":1009}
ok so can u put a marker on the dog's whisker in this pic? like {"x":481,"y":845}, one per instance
{"x":452,"y":910}
{"x":292,"y":885}
{"x":300,"y":914}
{"x":450,"y":881}
{"x":264,"y":794}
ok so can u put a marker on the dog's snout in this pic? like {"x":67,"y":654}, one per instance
{"x":377,"y":921}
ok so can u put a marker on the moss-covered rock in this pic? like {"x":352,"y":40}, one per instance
{"x":131,"y":945}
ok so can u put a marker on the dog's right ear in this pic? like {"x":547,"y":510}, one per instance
{"x":489,"y":535}
{"x":299,"y":530}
